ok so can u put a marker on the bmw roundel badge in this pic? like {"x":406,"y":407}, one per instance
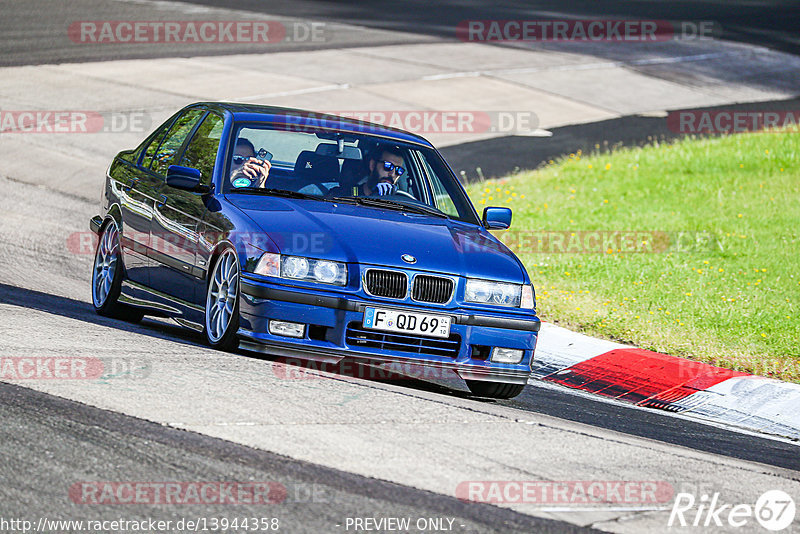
{"x":408,"y":258}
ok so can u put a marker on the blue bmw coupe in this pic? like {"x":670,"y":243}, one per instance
{"x":317,"y":237}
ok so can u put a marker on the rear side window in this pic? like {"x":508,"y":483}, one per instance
{"x":202,"y":150}
{"x":165,"y":156}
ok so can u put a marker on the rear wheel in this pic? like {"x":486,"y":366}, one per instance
{"x":494,"y":390}
{"x":222,"y":303}
{"x":107,"y":278}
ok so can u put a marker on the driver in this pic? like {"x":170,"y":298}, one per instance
{"x":245,"y":164}
{"x":385,"y":167}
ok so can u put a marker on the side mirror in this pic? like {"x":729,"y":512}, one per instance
{"x":185,"y":178}
{"x":497,"y":218}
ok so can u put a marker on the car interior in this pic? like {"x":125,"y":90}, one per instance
{"x":333,"y":168}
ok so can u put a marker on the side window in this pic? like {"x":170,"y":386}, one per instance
{"x":202,"y":150}
{"x":156,"y":141}
{"x":165,"y":156}
{"x":441,"y":198}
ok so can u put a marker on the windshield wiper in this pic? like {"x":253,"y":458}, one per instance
{"x":392,"y":204}
{"x":277,"y":192}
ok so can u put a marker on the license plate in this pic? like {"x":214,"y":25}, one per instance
{"x":407,"y":322}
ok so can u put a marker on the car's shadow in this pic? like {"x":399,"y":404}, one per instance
{"x":83,"y":311}
{"x":350,"y":369}
{"x":165,"y":329}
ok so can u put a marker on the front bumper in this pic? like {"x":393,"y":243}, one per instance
{"x":334,"y":332}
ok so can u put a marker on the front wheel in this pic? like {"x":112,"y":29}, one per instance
{"x":222,"y":303}
{"x":494,"y":390}
{"x":107,"y":278}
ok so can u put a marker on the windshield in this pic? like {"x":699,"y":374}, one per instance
{"x":329,"y":166}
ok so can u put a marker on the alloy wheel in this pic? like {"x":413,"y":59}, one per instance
{"x":105,"y":265}
{"x":223,"y":291}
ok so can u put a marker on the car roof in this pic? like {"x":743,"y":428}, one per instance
{"x":301,"y":118}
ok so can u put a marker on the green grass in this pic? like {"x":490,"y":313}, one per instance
{"x":729,"y":297}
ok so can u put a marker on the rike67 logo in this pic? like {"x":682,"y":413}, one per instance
{"x":774,"y":510}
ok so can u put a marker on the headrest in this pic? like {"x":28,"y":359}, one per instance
{"x":353,"y":170}
{"x":314,"y":166}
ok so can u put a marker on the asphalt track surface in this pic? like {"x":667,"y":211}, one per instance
{"x":48,"y":442}
{"x":34,"y":31}
{"x":765,"y":23}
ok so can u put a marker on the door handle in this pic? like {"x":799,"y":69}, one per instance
{"x":130,"y":186}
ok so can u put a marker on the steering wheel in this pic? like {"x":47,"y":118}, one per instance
{"x":405,"y":194}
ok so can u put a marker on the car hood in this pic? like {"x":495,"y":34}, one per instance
{"x":365,"y":235}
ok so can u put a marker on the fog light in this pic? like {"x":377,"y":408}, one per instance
{"x":501,"y":355}
{"x":282,"y":328}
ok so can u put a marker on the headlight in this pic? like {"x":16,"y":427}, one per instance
{"x":327,"y":272}
{"x":300,"y":268}
{"x":294,"y":267}
{"x":323,"y":271}
{"x":497,"y":293}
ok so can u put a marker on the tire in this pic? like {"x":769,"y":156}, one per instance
{"x":494,"y":390}
{"x":107,"y":274}
{"x":222,"y":302}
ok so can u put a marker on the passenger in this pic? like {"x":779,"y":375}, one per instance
{"x":245,"y":164}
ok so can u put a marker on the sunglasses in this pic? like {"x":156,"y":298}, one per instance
{"x":388,"y":166}
{"x":238,"y":160}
